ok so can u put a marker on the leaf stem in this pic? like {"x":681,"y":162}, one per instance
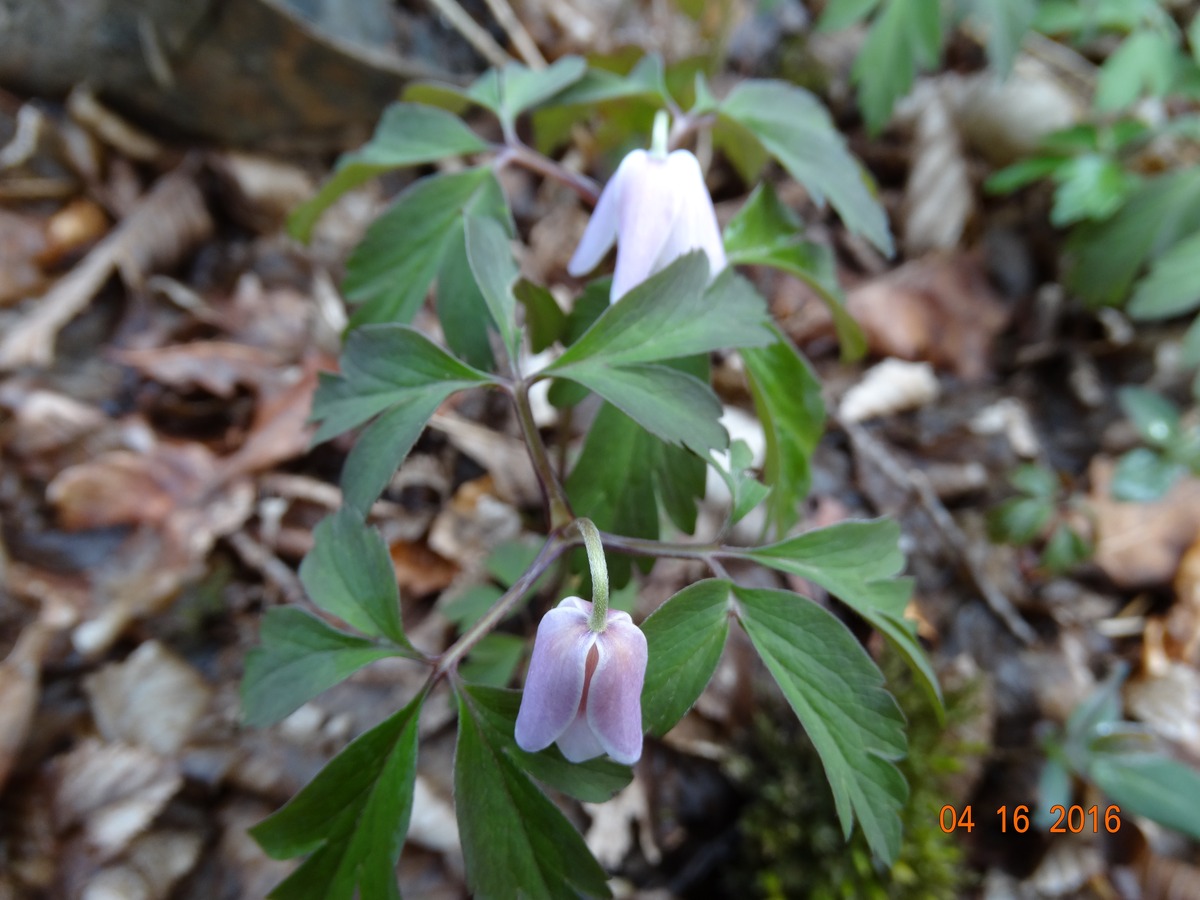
{"x":515,"y":152}
{"x":558,"y":509}
{"x":599,"y":569}
{"x":550,"y":551}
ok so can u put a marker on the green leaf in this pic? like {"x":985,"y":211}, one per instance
{"x":1090,"y":187}
{"x":1065,"y":549}
{"x":506,"y":92}
{"x":793,"y":126}
{"x":394,"y":370}
{"x":1023,"y":173}
{"x":1173,"y":285}
{"x":766,"y":233}
{"x":837,"y":693}
{"x":857,"y":562}
{"x":1150,"y":785}
{"x":841,"y":14}
{"x":1054,"y":789}
{"x":544,"y":318}
{"x":465,"y":609}
{"x":461,"y":307}
{"x":685,"y":637}
{"x":1005,"y":24}
{"x":1154,"y":416}
{"x":516,"y":843}
{"x":905,"y":36}
{"x":1104,"y":258}
{"x":1143,"y":476}
{"x":1035,"y":481}
{"x":390,"y":271}
{"x":745,"y":491}
{"x":495,"y":271}
{"x":594,"y":781}
{"x":673,"y":406}
{"x":1145,"y":63}
{"x":298,"y":658}
{"x":787,"y":398}
{"x":351,"y":818}
{"x":1019,"y":520}
{"x":348,"y":573}
{"x":494,"y":660}
{"x":407,"y":135}
{"x":622,"y":466}
{"x":645,"y":80}
{"x":671,"y":315}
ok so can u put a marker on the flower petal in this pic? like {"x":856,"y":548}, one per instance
{"x":601,"y":231}
{"x":696,"y":228}
{"x":578,"y":743}
{"x":554,"y":685}
{"x":614,"y":703}
{"x":649,"y":209}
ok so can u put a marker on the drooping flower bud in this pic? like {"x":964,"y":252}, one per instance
{"x":584,"y":687}
{"x":656,"y":208}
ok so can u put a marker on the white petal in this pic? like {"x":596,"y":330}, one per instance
{"x":557,"y":673}
{"x":649,"y":207}
{"x":696,"y":227}
{"x":601,"y":231}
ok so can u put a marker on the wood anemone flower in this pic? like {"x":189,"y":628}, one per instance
{"x":656,"y":208}
{"x":584,"y":687}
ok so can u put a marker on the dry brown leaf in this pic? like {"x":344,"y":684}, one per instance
{"x":153,"y":699}
{"x":420,"y":571}
{"x":1183,"y":621}
{"x":280,"y":429}
{"x":22,"y":241}
{"x":262,"y":192}
{"x":938,"y":308}
{"x":77,"y":225}
{"x":154,"y":863}
{"x":1164,"y":878}
{"x":1141,"y":544}
{"x":166,"y":223}
{"x":113,"y":791}
{"x":1168,"y":702}
{"x":20,"y":687}
{"x":472,"y":524}
{"x":505,"y":458}
{"x":939,"y":198}
{"x":216,"y":366}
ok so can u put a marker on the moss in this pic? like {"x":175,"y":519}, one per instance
{"x":792,"y":844}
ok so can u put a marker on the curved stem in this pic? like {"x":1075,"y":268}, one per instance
{"x":517,"y":153}
{"x":599,"y":569}
{"x":550,"y":551}
{"x":558,"y":509}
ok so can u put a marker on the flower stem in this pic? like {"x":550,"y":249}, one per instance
{"x":558,"y":509}
{"x":550,"y":551}
{"x":595,"y":553}
{"x":662,"y":128}
{"x":517,"y":153}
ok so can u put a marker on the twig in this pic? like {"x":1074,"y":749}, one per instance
{"x":517,"y":33}
{"x":475,"y":35}
{"x":914,"y":483}
{"x":272,"y":568}
{"x":558,"y":508}
{"x":517,"y":153}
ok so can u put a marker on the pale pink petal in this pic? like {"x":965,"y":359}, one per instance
{"x":554,"y":685}
{"x":601,"y":231}
{"x":578,"y":743}
{"x":649,"y":207}
{"x":614,"y":702}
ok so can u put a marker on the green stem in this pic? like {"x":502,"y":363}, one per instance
{"x":599,"y":568}
{"x":658,"y":140}
{"x":558,"y":508}
{"x":552,"y":549}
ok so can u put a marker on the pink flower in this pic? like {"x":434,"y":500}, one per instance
{"x":656,"y":208}
{"x":584,"y":688}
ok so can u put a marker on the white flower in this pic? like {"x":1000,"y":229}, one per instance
{"x":656,"y":208}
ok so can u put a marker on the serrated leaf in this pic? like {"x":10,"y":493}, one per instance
{"x":793,"y":126}
{"x":1104,"y":258}
{"x":394,"y":370}
{"x":837,"y":693}
{"x":505,"y":92}
{"x":745,"y":491}
{"x":408,"y":134}
{"x":671,"y":315}
{"x":516,"y":843}
{"x":495,"y":270}
{"x":1150,"y":785}
{"x":1143,"y":476}
{"x":494,"y":660}
{"x":351,"y":818}
{"x":1065,"y":549}
{"x":685,"y":637}
{"x":544,"y":319}
{"x":348,"y":573}
{"x":857,"y":562}
{"x":299,"y":657}
{"x":1173,"y":285}
{"x":787,"y":398}
{"x":645,"y":80}
{"x":1090,"y":187}
{"x":593,"y":781}
{"x":391,"y":270}
{"x":906,"y":36}
{"x":766,"y":233}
